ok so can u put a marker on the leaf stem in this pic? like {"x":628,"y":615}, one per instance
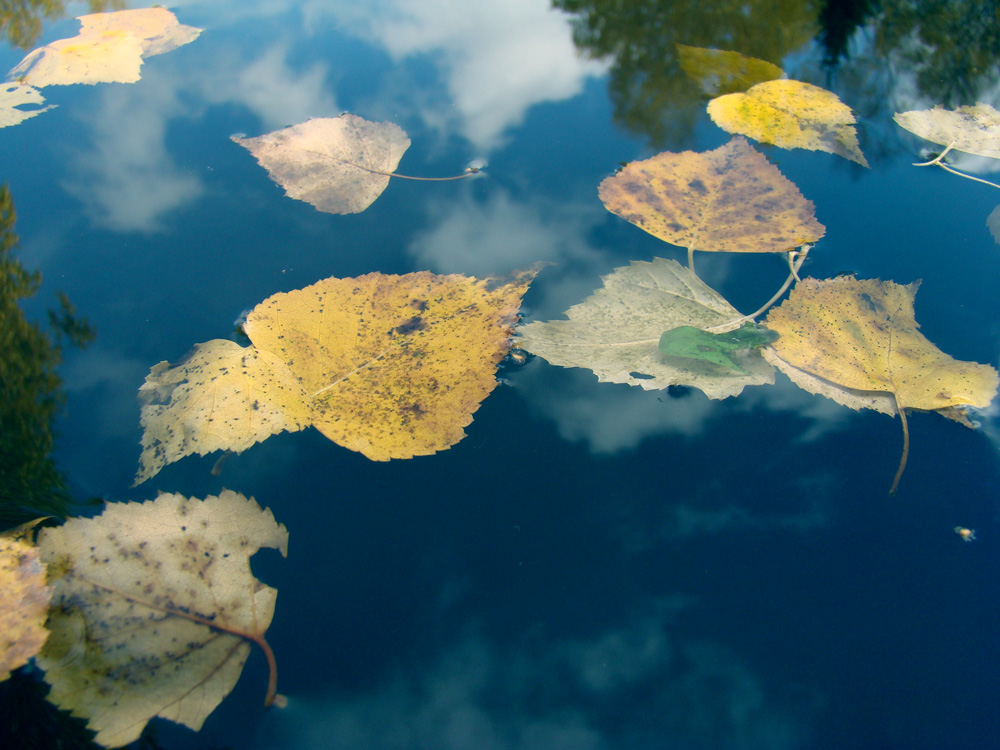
{"x":795,"y":261}
{"x":691,"y":260}
{"x":906,"y":446}
{"x":937,"y":161}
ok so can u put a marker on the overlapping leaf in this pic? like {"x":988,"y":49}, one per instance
{"x":109,"y":48}
{"x":24,"y":600}
{"x":390,"y":366}
{"x":731,"y":199}
{"x":790,"y":114}
{"x":155,"y":609}
{"x":616,"y":332}
{"x":339,"y":165}
{"x":723,"y":72}
{"x":857,"y":341}
{"x":972,"y":129}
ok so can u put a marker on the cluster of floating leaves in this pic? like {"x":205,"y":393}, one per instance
{"x":142,"y":624}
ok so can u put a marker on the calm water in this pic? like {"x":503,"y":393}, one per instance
{"x":594,"y":566}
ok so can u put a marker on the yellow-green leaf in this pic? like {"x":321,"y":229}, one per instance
{"x":155,"y":609}
{"x":24,"y":600}
{"x":731,"y":199}
{"x":723,"y":72}
{"x":790,"y":114}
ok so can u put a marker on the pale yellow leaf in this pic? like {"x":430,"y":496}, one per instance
{"x":24,"y":600}
{"x":12,"y":97}
{"x":972,"y":129}
{"x":155,"y":609}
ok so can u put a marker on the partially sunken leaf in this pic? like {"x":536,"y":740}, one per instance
{"x":616,"y":332}
{"x":108,"y":49}
{"x":993,"y":224}
{"x":24,"y":600}
{"x":12,"y":97}
{"x":390,"y":366}
{"x":972,"y":129}
{"x":722,"y":72}
{"x":221,"y":396}
{"x":845,"y":336}
{"x":155,"y":608}
{"x":718,"y":348}
{"x":790,"y":114}
{"x":340,"y":165}
{"x":731,"y":199}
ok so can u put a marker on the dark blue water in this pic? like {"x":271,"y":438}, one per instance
{"x":594,"y":566}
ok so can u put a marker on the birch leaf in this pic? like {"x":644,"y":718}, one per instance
{"x":861,"y":335}
{"x":339,"y":165}
{"x":12,"y":97}
{"x":109,"y":48}
{"x":731,"y":199}
{"x":972,"y":129}
{"x":723,"y":72}
{"x":390,"y":366}
{"x":790,"y":114}
{"x":24,"y":600}
{"x":616,"y":332}
{"x":155,"y":609}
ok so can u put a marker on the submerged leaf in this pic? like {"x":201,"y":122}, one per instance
{"x":24,"y":600}
{"x":12,"y":96}
{"x":972,"y":129}
{"x":616,"y":331}
{"x":155,"y":608}
{"x":390,"y":366}
{"x":108,"y":49}
{"x":731,"y":199}
{"x":790,"y":114}
{"x":694,"y":343}
{"x":723,"y":72}
{"x":339,"y":165}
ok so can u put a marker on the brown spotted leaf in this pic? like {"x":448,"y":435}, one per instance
{"x":731,"y":199}
{"x":155,"y":609}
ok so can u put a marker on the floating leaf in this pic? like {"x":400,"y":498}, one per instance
{"x":718,"y":348}
{"x":972,"y":129}
{"x":616,"y":331}
{"x":731,"y":199}
{"x":390,"y":366}
{"x":340,"y":165}
{"x":861,"y":335}
{"x":108,"y":49}
{"x":12,"y":96}
{"x":790,"y":114}
{"x":24,"y":600}
{"x":723,"y":72}
{"x":155,"y":609}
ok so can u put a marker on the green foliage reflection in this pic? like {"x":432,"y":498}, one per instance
{"x":21,"y":20}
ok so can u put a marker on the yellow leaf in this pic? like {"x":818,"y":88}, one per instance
{"x":731,"y":199}
{"x":339,"y":165}
{"x":24,"y":600}
{"x":723,"y":72}
{"x":12,"y":97}
{"x":790,"y":114}
{"x":155,"y":609}
{"x":221,"y":396}
{"x":861,"y":335}
{"x":108,"y":49}
{"x":390,"y":366}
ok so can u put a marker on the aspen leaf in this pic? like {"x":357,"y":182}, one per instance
{"x":731,"y":199}
{"x":972,"y":129}
{"x":617,"y":330}
{"x":339,"y":165}
{"x":723,"y":72}
{"x":790,"y":114}
{"x":12,"y":97}
{"x":24,"y":599}
{"x":109,"y":48}
{"x":860,"y":335}
{"x":155,"y":609}
{"x":390,"y":366}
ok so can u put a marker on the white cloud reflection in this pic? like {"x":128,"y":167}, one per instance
{"x":636,"y":685}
